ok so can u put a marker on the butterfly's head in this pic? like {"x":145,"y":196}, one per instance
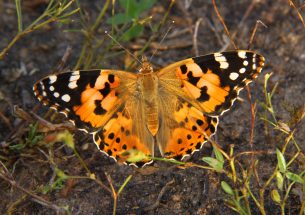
{"x":145,"y":67}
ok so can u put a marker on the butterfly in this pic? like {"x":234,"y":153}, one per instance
{"x":172,"y":111}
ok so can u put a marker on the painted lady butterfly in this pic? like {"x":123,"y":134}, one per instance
{"x":174,"y":109}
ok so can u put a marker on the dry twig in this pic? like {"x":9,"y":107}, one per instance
{"x":223,"y":23}
{"x":297,"y":11}
{"x":195,"y":45}
{"x":4,"y":175}
{"x":162,"y":192}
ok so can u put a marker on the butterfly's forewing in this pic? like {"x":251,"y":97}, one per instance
{"x":89,"y":98}
{"x":103,"y":102}
{"x":212,"y":81}
{"x":205,"y":86}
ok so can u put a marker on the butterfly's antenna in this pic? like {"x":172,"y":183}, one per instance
{"x":117,"y":42}
{"x":166,"y":33}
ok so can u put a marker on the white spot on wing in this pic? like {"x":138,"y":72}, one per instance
{"x":72,"y":85}
{"x":245,"y":63}
{"x":73,"y":79}
{"x":222,"y":60}
{"x":52,"y":79}
{"x":51,"y":88}
{"x":219,"y":57}
{"x":44,"y":93}
{"x":74,"y":76}
{"x":233,"y":76}
{"x":217,"y":54}
{"x":56,"y":94}
{"x":66,"y":98}
{"x":254,"y":62}
{"x":224,"y":65}
{"x":242,"y":54}
{"x":242,"y":70}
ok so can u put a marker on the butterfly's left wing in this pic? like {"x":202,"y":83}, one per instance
{"x":203,"y":88}
{"x":105,"y":103}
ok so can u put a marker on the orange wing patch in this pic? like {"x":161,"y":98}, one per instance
{"x":194,"y":129}
{"x":88,"y":98}
{"x":205,"y":87}
{"x":96,"y":101}
{"x":214,"y":80}
{"x":117,"y":137}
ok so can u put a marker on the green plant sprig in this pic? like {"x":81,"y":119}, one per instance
{"x":56,"y":11}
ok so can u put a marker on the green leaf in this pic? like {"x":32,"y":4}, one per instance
{"x":18,"y":146}
{"x":61,"y":174}
{"x":133,"y":32}
{"x":130,"y":7}
{"x":145,"y":5}
{"x":275,"y":196}
{"x":279,"y":180}
{"x":281,"y":161}
{"x":294,"y":177}
{"x":216,"y":164}
{"x":58,"y":184}
{"x":134,"y":8}
{"x":119,"y":19}
{"x":226,"y":187}
{"x":218,"y":154}
{"x":132,"y":11}
{"x":33,"y":137}
{"x":128,"y":4}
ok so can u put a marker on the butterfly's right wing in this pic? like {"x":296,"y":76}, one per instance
{"x":195,"y":91}
{"x":212,"y":82}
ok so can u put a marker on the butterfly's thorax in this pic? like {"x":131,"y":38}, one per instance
{"x":148,"y":85}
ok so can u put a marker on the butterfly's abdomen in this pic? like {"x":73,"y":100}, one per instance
{"x":151,"y":114}
{"x":150,"y":93}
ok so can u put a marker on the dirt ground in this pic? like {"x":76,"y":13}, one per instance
{"x":161,"y":188}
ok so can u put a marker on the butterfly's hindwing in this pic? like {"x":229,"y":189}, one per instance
{"x":190,"y":130}
{"x":120,"y":135}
